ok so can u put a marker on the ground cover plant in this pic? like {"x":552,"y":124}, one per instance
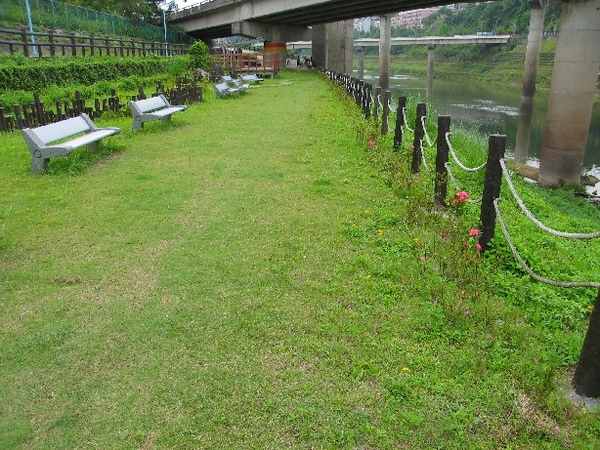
{"x":264,"y":272}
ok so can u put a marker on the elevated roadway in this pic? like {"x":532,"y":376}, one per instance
{"x":222,"y":18}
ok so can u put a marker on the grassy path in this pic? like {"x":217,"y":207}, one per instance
{"x":242,"y":278}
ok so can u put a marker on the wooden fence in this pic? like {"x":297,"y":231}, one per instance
{"x":52,"y":44}
{"x":265,"y":63}
{"x":34,"y":114}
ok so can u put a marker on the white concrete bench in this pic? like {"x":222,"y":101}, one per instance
{"x":80,"y":128}
{"x":251,"y":78}
{"x":154,"y":108}
{"x":223,"y":89}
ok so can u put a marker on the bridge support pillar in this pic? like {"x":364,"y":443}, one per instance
{"x":361,"y":62}
{"x":430,"y":70}
{"x":333,"y":46}
{"x":572,"y":92}
{"x":385,"y":50}
{"x":532,"y":57}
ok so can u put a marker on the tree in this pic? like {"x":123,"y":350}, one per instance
{"x":150,"y":11}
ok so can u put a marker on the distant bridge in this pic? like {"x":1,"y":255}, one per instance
{"x":426,"y":40}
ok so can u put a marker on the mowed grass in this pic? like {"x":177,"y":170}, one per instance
{"x":243,"y":277}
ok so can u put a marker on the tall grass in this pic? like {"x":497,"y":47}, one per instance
{"x":253,"y":275}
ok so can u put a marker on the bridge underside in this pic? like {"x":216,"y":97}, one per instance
{"x":337,"y":10}
{"x":214,"y":19}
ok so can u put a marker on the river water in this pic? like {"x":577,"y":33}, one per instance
{"x":490,"y":109}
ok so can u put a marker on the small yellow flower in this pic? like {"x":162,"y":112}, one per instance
{"x":353,"y":225}
{"x":379,"y":232}
{"x":367,"y":211}
{"x":368,"y":276}
{"x":405,"y":369}
{"x":416,"y":240}
{"x":591,"y":307}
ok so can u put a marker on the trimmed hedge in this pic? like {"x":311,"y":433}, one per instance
{"x":37,"y":74}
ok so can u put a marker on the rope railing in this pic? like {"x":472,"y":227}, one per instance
{"x":531,"y":217}
{"x":429,"y":143}
{"x":457,"y":159}
{"x":496,"y":170}
{"x":423,"y":157}
{"x":406,"y":122}
{"x":521,"y":261}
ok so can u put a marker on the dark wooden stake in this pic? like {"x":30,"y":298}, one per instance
{"x":491,"y":188}
{"x":387,"y":98}
{"x":587,"y":374}
{"x":441,"y":173}
{"x":399,"y":123}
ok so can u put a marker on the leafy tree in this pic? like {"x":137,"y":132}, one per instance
{"x":150,"y":11}
{"x":199,"y":56}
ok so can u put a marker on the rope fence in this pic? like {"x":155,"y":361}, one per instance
{"x":495,"y":170}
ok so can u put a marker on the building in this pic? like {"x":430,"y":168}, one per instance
{"x":412,"y":19}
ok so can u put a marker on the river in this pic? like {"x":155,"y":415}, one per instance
{"x":490,"y":109}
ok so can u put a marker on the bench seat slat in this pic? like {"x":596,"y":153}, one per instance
{"x":83,"y":140}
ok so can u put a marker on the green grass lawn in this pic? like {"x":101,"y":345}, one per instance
{"x":248,"y":276}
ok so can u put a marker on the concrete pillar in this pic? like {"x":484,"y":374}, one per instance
{"x":385,"y":49}
{"x":430,"y":70}
{"x":534,"y":41}
{"x":574,"y":78}
{"x":319,"y":42}
{"x":361,"y":62}
{"x":333,"y":46}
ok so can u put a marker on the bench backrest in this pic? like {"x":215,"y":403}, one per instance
{"x":221,"y":87}
{"x":150,"y":104}
{"x":60,"y":130}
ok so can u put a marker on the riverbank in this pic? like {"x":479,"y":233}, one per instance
{"x":503,"y":66}
{"x":265,"y":272}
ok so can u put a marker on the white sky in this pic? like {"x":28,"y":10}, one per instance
{"x":185,"y":4}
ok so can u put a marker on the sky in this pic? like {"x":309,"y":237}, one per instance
{"x":185,"y":4}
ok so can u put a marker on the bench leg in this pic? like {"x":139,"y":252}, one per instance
{"x":137,"y":123}
{"x":39,"y":165}
{"x":166,"y":118}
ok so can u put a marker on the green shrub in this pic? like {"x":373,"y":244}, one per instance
{"x":199,"y":56}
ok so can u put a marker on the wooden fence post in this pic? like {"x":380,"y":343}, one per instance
{"x":25,"y":43}
{"x":387,"y":98}
{"x":441,"y":173}
{"x":418,"y":138}
{"x":51,"y":40}
{"x":73,"y":46}
{"x":376,"y":101}
{"x":491,"y":188}
{"x":399,"y":123}
{"x":587,"y":373}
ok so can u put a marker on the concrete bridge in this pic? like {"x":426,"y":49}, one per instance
{"x":282,"y":20}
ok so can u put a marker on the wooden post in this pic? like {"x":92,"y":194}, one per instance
{"x":491,"y":188}
{"x":92,"y":45}
{"x":387,"y":98}
{"x":25,"y":43}
{"x":587,"y":374}
{"x":73,"y":46}
{"x":51,"y":40}
{"x":376,"y":108}
{"x":418,"y":138}
{"x":441,"y":174}
{"x":399,"y":123}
